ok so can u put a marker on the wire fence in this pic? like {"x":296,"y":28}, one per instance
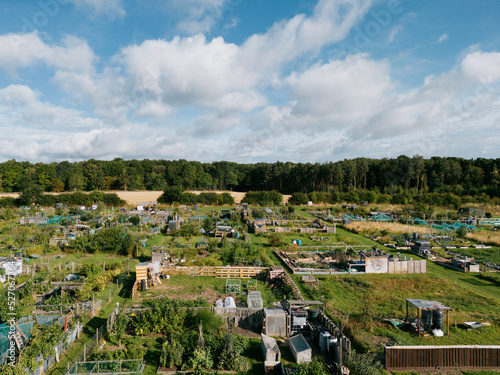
{"x":59,"y":349}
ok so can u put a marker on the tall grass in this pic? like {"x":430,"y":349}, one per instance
{"x":486,"y":237}
{"x":362,"y":227}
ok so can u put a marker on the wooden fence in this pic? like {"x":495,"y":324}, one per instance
{"x":221,"y":272}
{"x":432,"y":357}
{"x":407,"y":267}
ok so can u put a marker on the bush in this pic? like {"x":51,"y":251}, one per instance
{"x":363,"y":364}
{"x":276,"y":240}
{"x":298,"y":199}
{"x":134,"y":220}
{"x":263,"y":198}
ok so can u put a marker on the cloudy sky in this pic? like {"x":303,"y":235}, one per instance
{"x":248,"y":80}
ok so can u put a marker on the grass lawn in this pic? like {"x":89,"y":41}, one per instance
{"x":486,"y":255}
{"x":367,"y":299}
{"x":209,"y":288}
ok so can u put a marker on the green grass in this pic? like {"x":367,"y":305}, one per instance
{"x":367,"y":299}
{"x":194,"y":286}
{"x":487,"y":255}
{"x":254,"y":356}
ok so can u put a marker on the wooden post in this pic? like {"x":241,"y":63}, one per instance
{"x":84,"y":352}
{"x":418,"y":321}
{"x":407,"y":312}
{"x":447,"y":322}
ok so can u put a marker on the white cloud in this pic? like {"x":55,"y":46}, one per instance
{"x":106,"y":92}
{"x":110,"y":8}
{"x":394,"y":32}
{"x":482,"y":66}
{"x":442,"y":38}
{"x":214,"y":74}
{"x":248,"y":102}
{"x":352,"y":106}
{"x":22,"y":107}
{"x":22,"y":50}
{"x":341,"y":93}
{"x":198,"y":16}
{"x":285,"y":41}
{"x":188,"y":71}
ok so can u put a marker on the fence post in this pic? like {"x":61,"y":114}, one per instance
{"x":84,"y":352}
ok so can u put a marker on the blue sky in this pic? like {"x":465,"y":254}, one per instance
{"x":248,"y":81}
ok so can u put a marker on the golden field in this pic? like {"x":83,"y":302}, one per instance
{"x":377,"y":227}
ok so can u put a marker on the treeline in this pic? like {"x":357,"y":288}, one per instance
{"x":432,"y":199}
{"x":68,"y":199}
{"x":411,"y":175}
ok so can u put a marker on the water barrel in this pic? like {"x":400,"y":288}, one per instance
{"x":426,"y":319}
{"x":437,"y":316}
{"x":143,"y":285}
{"x":334,"y":349}
{"x":323,"y":342}
{"x":299,"y":242}
{"x":313,"y":314}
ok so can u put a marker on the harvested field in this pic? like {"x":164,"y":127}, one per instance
{"x":136,"y":197}
{"x":11,"y":195}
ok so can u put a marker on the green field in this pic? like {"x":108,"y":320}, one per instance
{"x":367,"y":299}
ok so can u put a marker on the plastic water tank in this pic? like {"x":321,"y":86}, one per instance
{"x":426,"y":319}
{"x":323,"y":342}
{"x":334,"y":349}
{"x":219,"y":303}
{"x":437,"y":317}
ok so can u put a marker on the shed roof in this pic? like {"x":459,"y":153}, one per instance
{"x":268,"y":312}
{"x":299,"y":343}
{"x":301,"y":302}
{"x":427,"y":305}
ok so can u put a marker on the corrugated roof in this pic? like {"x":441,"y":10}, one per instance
{"x":427,"y":305}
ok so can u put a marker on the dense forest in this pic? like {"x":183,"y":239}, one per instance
{"x":411,"y":175}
